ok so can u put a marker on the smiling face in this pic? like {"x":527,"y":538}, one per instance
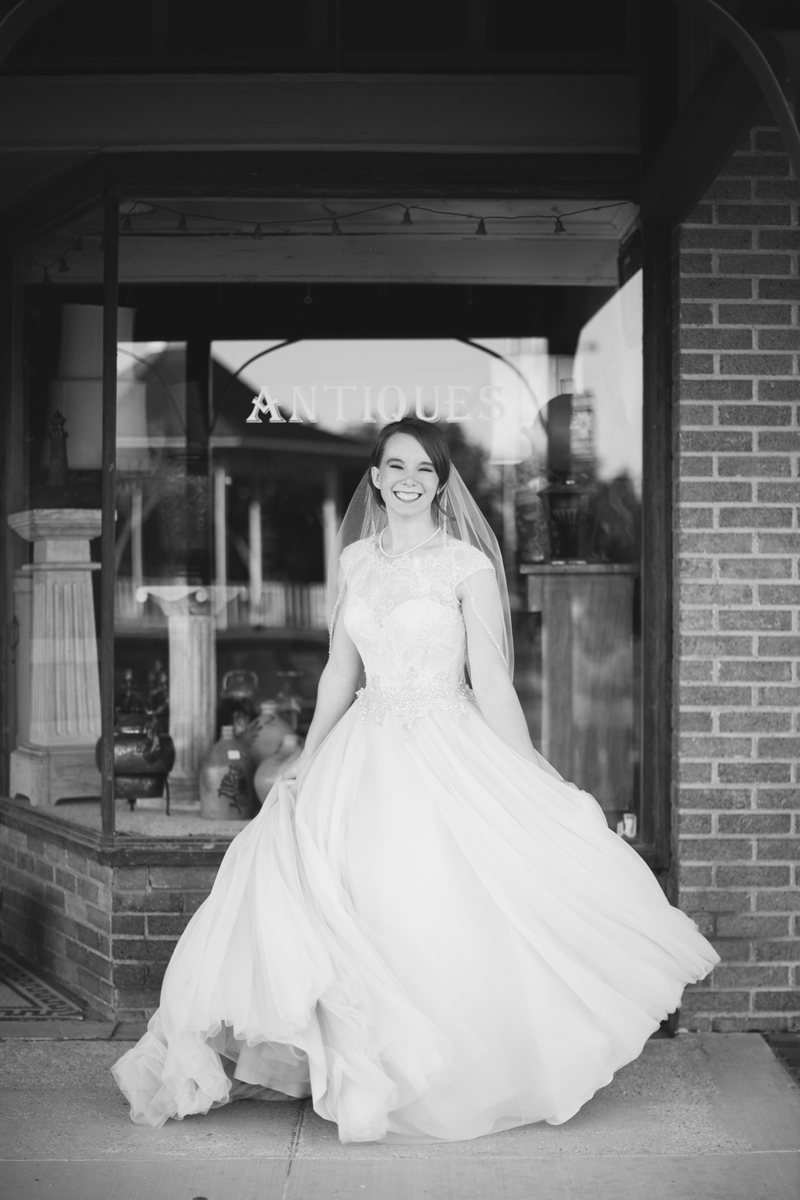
{"x":406,"y":477}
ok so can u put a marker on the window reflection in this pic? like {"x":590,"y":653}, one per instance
{"x":548,"y":444}
{"x":236,"y":461}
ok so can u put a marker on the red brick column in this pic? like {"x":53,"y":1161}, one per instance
{"x":738,"y":590}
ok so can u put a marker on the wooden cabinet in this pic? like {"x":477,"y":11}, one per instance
{"x":589,"y":675}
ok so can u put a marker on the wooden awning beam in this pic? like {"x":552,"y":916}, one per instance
{"x":714,"y":120}
{"x":754,"y":58}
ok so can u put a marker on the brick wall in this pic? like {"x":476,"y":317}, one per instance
{"x":57,"y":912}
{"x":738,"y":589}
{"x":151,"y":908}
{"x":93,"y":917}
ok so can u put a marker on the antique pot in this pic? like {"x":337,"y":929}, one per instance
{"x":566,"y":505}
{"x":237,"y":695}
{"x":143,"y":757}
{"x":239,"y":685}
{"x":265,"y":734}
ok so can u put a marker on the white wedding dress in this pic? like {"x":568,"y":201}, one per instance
{"x":431,"y":936}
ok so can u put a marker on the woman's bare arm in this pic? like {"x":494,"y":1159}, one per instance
{"x":335,"y":694}
{"x":489,"y":676}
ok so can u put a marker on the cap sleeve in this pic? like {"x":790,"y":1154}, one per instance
{"x":468,"y":560}
{"x":351,"y":556}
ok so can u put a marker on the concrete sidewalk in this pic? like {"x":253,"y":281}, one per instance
{"x":697,"y":1117}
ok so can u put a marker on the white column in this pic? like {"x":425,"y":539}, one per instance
{"x":330,"y":517}
{"x":509,"y":517}
{"x":23,"y":612}
{"x":192,"y":698}
{"x":137,"y":552}
{"x":192,"y":613}
{"x":221,"y":539}
{"x":256,"y":577}
{"x":56,"y":760}
{"x":65,"y":689}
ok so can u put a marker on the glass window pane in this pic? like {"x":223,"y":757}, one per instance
{"x":227,"y":510}
{"x":550,"y":445}
{"x":54,"y":467}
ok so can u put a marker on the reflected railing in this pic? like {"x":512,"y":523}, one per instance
{"x":279,"y":605}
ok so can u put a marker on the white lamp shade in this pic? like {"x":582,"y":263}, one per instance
{"x":82,"y":339}
{"x":80,"y":402}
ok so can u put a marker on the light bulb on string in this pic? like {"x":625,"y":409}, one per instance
{"x":182,"y":224}
{"x":63,"y":265}
{"x":559,"y":227}
{"x":46,"y":276}
{"x":127,"y":224}
{"x":407,"y":218}
{"x":308,"y":298}
{"x":257,"y":233}
{"x":481,"y":230}
{"x":78,"y":243}
{"x":335,"y":228}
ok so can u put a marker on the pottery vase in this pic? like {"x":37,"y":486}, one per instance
{"x":226,"y":780}
{"x":266,"y":733}
{"x":567,"y":507}
{"x":291,"y":747}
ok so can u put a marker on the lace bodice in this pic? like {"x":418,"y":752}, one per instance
{"x":405,"y":619}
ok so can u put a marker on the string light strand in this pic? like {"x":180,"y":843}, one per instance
{"x":268,"y":227}
{"x":333,"y":219}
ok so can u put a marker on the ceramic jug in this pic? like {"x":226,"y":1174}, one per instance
{"x":226,"y":780}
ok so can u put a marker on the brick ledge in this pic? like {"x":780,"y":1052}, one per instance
{"x":119,"y":850}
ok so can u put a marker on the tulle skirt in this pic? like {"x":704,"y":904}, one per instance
{"x":431,"y":936}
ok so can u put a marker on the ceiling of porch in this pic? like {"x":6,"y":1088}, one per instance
{"x":435,"y":77}
{"x":331,"y":35}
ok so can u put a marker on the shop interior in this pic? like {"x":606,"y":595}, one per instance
{"x":260,"y":346}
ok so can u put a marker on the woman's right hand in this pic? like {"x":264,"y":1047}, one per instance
{"x":290,"y":772}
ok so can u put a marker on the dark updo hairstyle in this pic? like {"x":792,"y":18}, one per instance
{"x":432,"y":441}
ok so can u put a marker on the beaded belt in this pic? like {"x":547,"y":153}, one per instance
{"x":414,"y":700}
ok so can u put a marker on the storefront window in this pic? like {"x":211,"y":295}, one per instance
{"x":236,"y":455}
{"x":54,"y":478}
{"x":549,"y":444}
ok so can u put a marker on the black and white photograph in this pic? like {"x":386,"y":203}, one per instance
{"x":400,"y":600}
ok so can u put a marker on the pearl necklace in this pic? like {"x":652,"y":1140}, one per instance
{"x":408,"y":551}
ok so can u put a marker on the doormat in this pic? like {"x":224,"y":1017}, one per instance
{"x":25,"y":997}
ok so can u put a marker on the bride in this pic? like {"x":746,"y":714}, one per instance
{"x":426,"y":929}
